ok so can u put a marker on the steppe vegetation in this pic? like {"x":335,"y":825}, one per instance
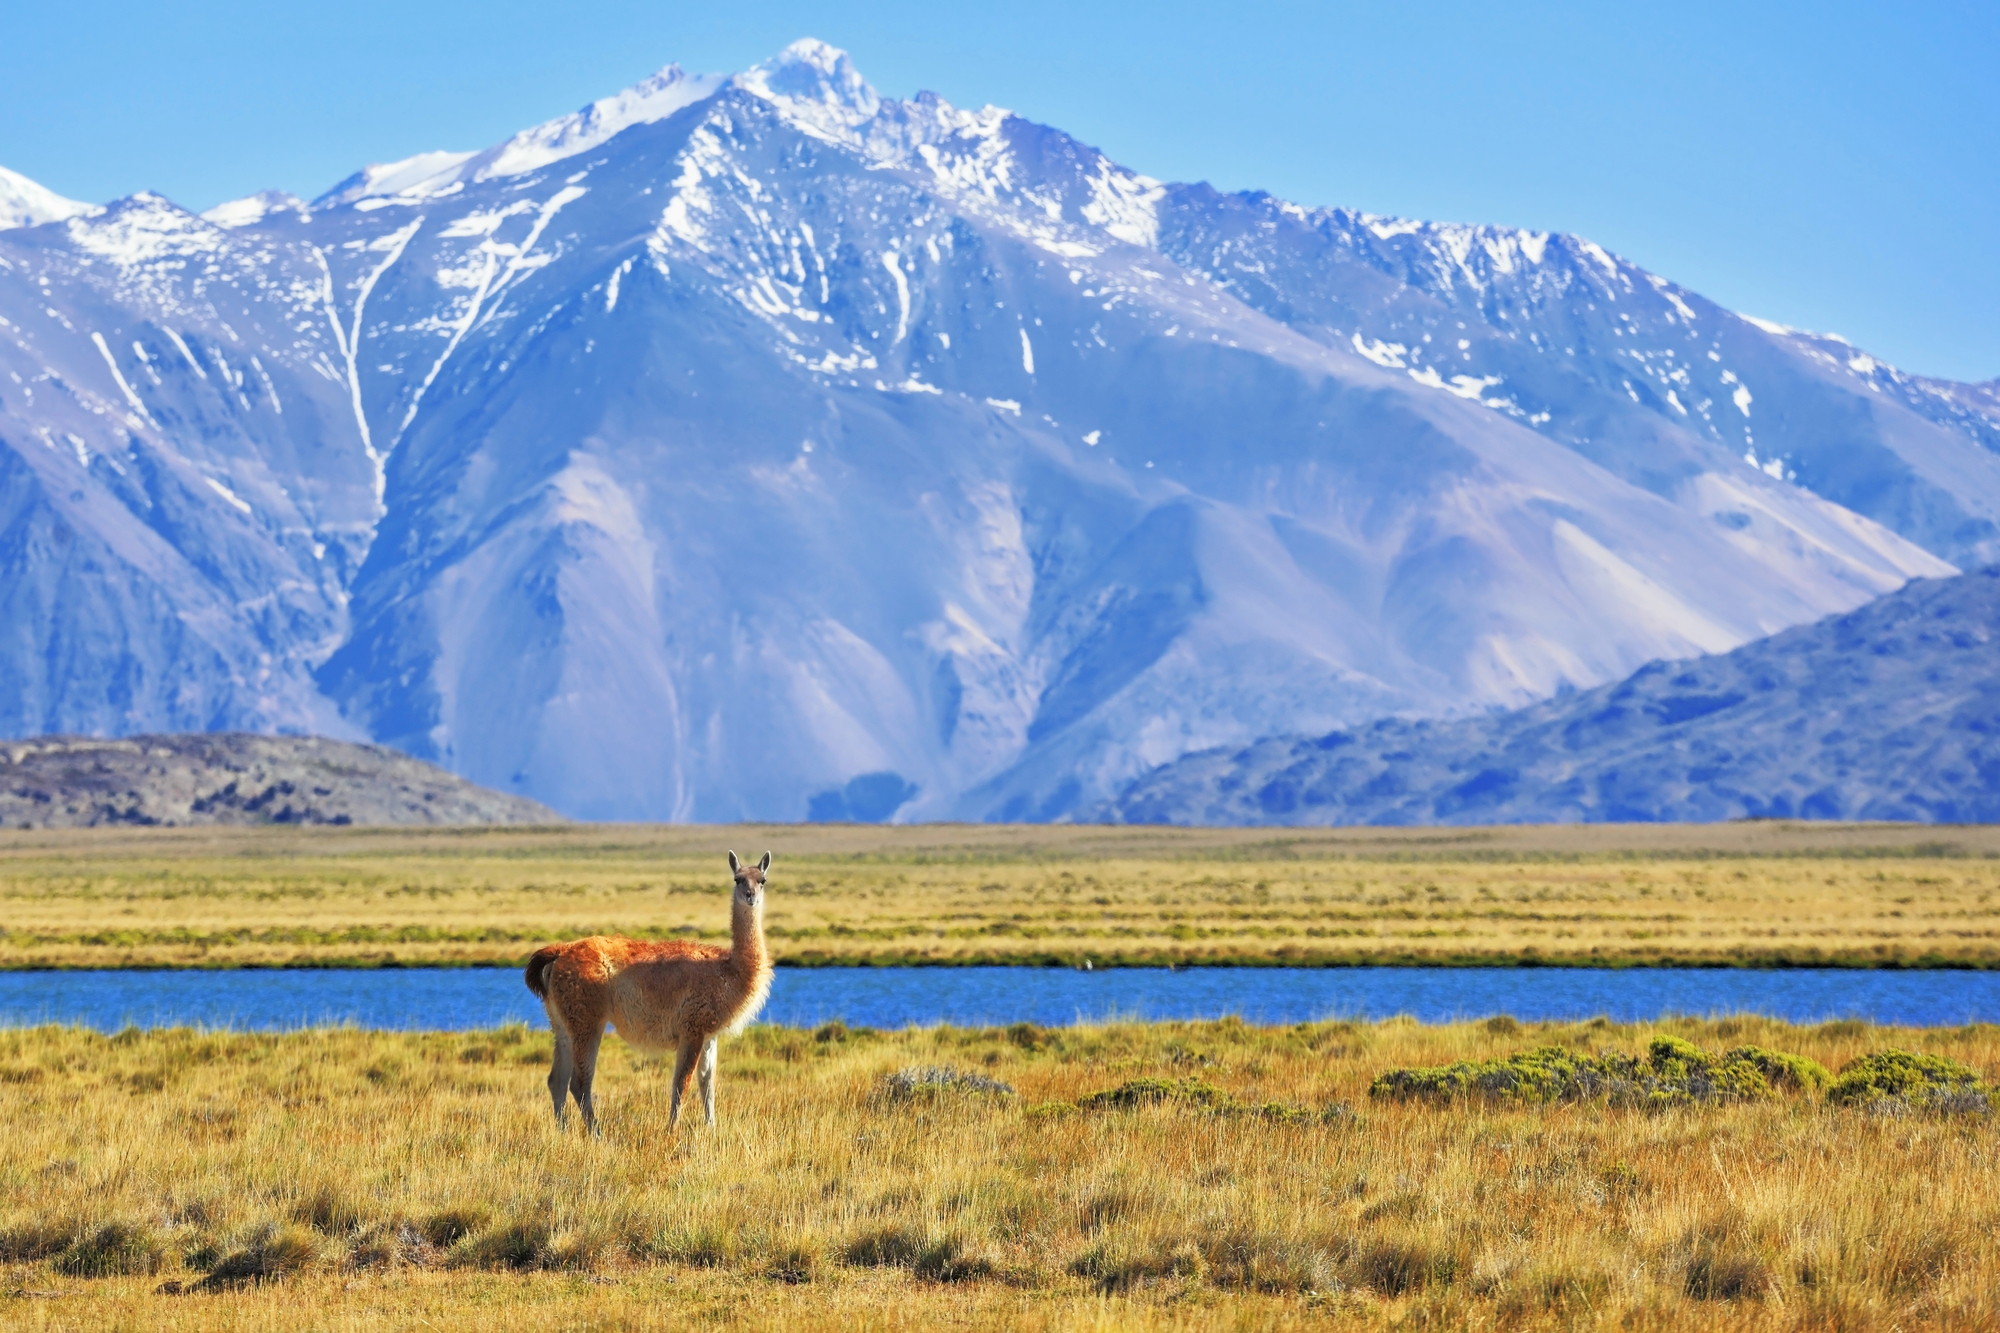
{"x":1170,"y":1175}
{"x":1744,"y":894}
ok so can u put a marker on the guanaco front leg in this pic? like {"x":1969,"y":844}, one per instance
{"x":684,"y":1062}
{"x":705,"y":1073}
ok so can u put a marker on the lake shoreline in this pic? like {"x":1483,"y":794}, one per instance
{"x":1781,"y":961}
{"x":411,"y":999}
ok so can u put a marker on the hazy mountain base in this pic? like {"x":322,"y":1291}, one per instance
{"x":1891,"y":712}
{"x":79,"y":782}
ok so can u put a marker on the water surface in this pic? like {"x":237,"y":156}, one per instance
{"x":895,"y":997}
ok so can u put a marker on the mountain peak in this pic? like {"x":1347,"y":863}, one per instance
{"x":253,"y":209}
{"x":816,"y":85}
{"x":26,"y":203}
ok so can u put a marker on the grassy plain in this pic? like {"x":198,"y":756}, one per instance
{"x":1755,"y":894}
{"x":339,"y":1178}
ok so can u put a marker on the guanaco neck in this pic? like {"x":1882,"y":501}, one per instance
{"x":748,"y":958}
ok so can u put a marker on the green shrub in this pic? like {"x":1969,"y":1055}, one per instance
{"x":1151,"y":1091}
{"x":1674,"y":1072}
{"x":1028,"y":1036}
{"x":1788,"y":1073}
{"x":1547,"y":1073}
{"x":1898,"y":1080}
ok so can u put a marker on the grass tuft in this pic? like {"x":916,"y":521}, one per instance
{"x":885,"y":1247}
{"x":115,"y":1249}
{"x":272,"y":1253}
{"x":928,"y":1082}
{"x":449,"y":1226}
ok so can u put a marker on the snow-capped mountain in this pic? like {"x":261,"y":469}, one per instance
{"x":25,"y":203}
{"x":757,"y":446}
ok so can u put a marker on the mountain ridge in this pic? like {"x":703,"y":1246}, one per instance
{"x":1889,"y":712}
{"x":914,"y":444}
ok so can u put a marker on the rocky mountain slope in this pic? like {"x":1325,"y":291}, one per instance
{"x":176,"y":781}
{"x":1889,"y":712}
{"x":755,"y":446}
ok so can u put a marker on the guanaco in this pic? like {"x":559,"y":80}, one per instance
{"x":668,"y":995}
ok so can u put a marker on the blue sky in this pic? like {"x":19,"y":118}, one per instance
{"x":1832,"y":166}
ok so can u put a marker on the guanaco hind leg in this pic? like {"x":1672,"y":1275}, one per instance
{"x":586,"y":1069}
{"x":559,"y":1073}
{"x":705,"y":1074}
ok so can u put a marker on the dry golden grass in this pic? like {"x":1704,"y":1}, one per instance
{"x":1746,"y":893}
{"x":418,"y":1181}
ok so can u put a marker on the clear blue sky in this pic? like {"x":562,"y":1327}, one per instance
{"x":1834,"y":166}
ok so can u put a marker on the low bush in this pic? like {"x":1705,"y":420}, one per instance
{"x":929,"y":1082}
{"x":1193,"y":1093}
{"x":1673,"y":1072}
{"x":1151,"y":1091}
{"x":1894,"y":1081}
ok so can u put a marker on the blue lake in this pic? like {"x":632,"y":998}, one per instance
{"x":444,"y":998}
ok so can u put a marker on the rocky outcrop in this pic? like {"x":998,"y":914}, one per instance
{"x":235,"y":778}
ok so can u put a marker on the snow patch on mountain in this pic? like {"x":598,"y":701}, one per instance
{"x":382,"y":180}
{"x":253,"y":209}
{"x":26,"y":203}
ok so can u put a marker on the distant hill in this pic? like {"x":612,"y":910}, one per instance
{"x":234,"y":778}
{"x":1889,"y":712}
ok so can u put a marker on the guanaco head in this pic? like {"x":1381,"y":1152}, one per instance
{"x":750,"y":880}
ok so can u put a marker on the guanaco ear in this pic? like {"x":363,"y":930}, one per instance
{"x":765,"y":864}
{"x":735,"y":866}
